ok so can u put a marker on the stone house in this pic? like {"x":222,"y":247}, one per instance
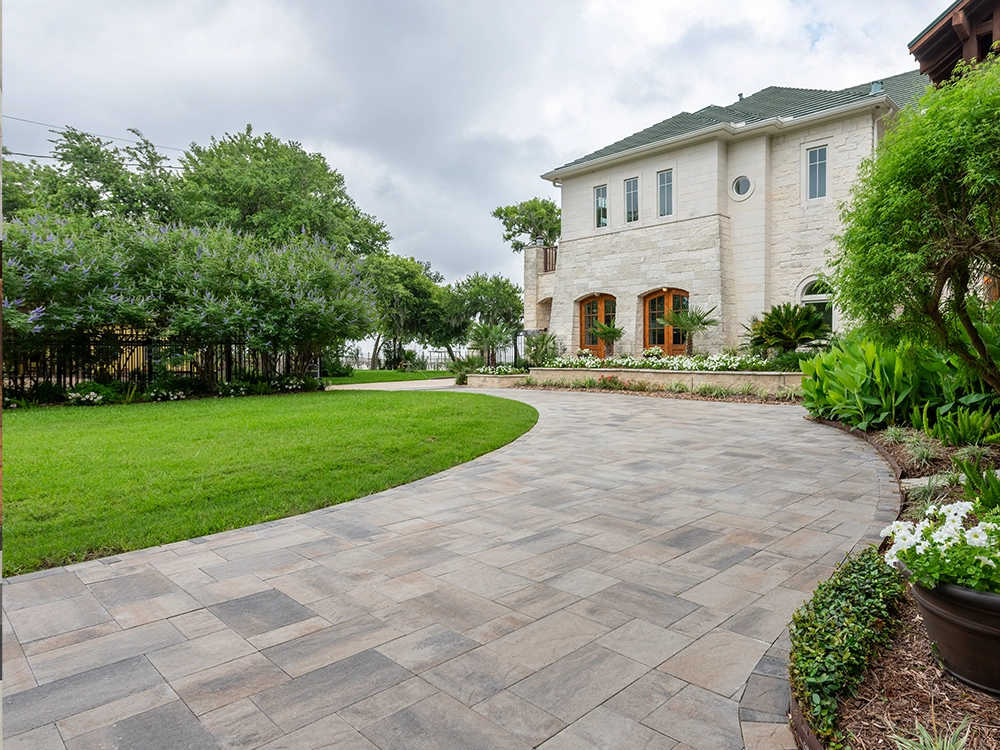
{"x":733,"y":207}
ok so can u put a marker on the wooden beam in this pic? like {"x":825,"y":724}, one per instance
{"x":960,"y":23}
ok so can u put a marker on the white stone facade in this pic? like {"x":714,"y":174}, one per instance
{"x":739,"y":254}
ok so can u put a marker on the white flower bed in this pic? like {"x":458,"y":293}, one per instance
{"x":713,"y":363}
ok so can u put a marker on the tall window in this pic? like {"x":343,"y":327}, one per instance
{"x":817,"y":172}
{"x":631,"y":200}
{"x":665,"y":190}
{"x":670,"y":340}
{"x":602,"y":308}
{"x":601,"y":206}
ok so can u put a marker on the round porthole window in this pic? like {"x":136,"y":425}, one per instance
{"x":741,"y":186}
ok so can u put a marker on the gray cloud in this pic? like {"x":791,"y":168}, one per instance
{"x":436,"y":111}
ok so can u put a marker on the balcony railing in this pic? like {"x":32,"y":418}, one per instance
{"x":549,"y":261}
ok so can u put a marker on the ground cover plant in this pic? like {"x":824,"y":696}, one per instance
{"x":836,"y":633}
{"x":83,"y":483}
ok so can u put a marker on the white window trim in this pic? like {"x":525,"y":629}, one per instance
{"x":802,"y":298}
{"x":638,"y":212}
{"x":673,"y":197}
{"x":806,"y":148}
{"x":607,"y":206}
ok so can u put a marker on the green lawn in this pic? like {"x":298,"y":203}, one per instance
{"x":88,"y":482}
{"x":387,"y":376}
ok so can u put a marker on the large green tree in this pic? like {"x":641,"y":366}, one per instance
{"x":525,"y":222}
{"x":919,"y":255}
{"x":491,"y":299}
{"x":91,"y":177}
{"x":262,"y":185}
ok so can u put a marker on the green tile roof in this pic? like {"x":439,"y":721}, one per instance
{"x":775,"y":101}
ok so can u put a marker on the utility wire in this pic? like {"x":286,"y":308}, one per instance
{"x":62,"y":129}
{"x":44,"y":156}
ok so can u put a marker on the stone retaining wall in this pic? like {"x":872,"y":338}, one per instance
{"x":770,"y":381}
{"x":495,"y":381}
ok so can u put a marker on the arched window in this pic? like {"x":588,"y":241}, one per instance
{"x":599,"y":307}
{"x":656,"y":333}
{"x":818,"y":294}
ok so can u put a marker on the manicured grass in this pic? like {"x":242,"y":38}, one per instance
{"x":88,"y":482}
{"x":387,"y":376}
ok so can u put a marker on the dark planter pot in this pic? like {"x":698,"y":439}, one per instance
{"x":964,"y":626}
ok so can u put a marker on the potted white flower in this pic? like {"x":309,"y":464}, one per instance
{"x":952,"y":560}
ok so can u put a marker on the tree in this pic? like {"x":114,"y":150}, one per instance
{"x":491,"y":299}
{"x":609,"y":334}
{"x":689,"y":322}
{"x":274,"y":189}
{"x":405,"y":304}
{"x":93,"y":178}
{"x":920,"y":252}
{"x":534,"y":218}
{"x":489,"y":337}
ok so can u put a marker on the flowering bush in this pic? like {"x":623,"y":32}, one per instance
{"x":653,"y":352}
{"x":84,"y":398}
{"x":713,"y":363}
{"x":948,"y":546}
{"x":164,"y":394}
{"x":502,"y":370}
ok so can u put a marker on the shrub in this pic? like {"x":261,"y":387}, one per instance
{"x":44,"y":392}
{"x":863,"y":384}
{"x":540,"y":347}
{"x":89,"y":393}
{"x":784,"y":328}
{"x":612,"y":383}
{"x":461,"y":367}
{"x":964,"y":427}
{"x":165,"y":394}
{"x":835,"y":634}
{"x":982,"y":485}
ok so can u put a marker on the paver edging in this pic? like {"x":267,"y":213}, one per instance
{"x":799,"y":725}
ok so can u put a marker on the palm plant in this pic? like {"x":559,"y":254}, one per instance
{"x":692,"y":321}
{"x":487,"y":338}
{"x":784,"y":328}
{"x":540,"y":347}
{"x":608,"y":334}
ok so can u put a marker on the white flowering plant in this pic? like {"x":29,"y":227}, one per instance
{"x":502,"y":370}
{"x":953,"y":543}
{"x":714,"y":363}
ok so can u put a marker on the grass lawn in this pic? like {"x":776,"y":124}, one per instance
{"x":387,"y":376}
{"x":89,"y":482}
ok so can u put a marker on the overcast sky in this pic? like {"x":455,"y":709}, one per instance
{"x":435,"y":111}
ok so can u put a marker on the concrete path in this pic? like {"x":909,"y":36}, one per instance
{"x":612,"y":579}
{"x":430,"y":384}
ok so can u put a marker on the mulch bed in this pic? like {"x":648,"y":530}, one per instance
{"x":905,"y":684}
{"x":736,"y":399}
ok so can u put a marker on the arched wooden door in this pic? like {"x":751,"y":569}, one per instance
{"x":656,"y":304}
{"x":600,"y":307}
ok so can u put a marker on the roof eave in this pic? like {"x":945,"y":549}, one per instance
{"x":727,"y":132}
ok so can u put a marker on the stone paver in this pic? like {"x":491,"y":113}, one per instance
{"x":620,"y":577}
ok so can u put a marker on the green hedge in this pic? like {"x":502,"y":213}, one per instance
{"x":835,"y":634}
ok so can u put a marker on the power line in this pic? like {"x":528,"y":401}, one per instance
{"x":44,"y":156}
{"x":62,"y":129}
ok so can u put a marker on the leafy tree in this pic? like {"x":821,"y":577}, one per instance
{"x":786,"y":327}
{"x":690,"y":322}
{"x":537,"y":217}
{"x":93,"y":178}
{"x":406,"y":306}
{"x":274,"y":189}
{"x":920,"y":253}
{"x":491,"y":299}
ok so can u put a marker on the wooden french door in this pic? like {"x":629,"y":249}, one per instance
{"x":600,"y":307}
{"x":665,"y":337}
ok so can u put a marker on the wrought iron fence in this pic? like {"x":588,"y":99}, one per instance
{"x":132,"y":357}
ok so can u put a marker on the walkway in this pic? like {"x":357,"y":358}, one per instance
{"x":609,"y":580}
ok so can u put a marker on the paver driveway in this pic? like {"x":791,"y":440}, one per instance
{"x":609,"y":580}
